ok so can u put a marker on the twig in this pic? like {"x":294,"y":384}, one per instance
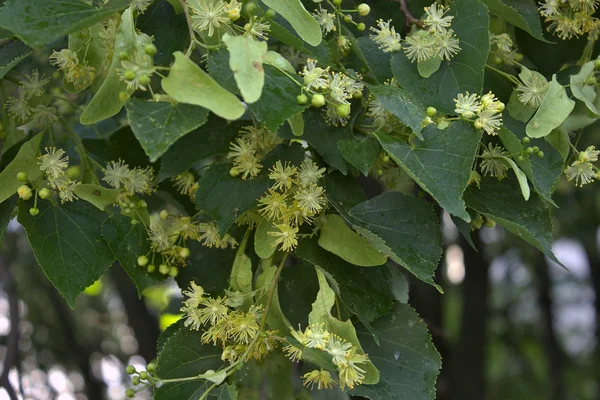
{"x":12,"y":342}
{"x":186,"y":12}
{"x":410,"y":19}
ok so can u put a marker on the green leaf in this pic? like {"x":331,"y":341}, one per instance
{"x":281,"y":30}
{"x":429,"y":67}
{"x":212,"y":139}
{"x":11,"y":54}
{"x":519,"y":111}
{"x":188,"y":83}
{"x":408,"y":362}
{"x":296,"y":123}
{"x":580,"y":88}
{"x":360,"y":153}
{"x":529,"y":220}
{"x":441,"y":163}
{"x":7,"y":208}
{"x":157,"y":125}
{"x":25,"y":161}
{"x":366,"y":292}
{"x":321,"y":313}
{"x":127,"y":241}
{"x":183,"y":355}
{"x":377,"y":61}
{"x":401,"y":104}
{"x":40,"y":22}
{"x":262,"y":241}
{"x":241,"y":271}
{"x":521,"y":13}
{"x":337,"y":238}
{"x":553,"y":111}
{"x":97,"y":195}
{"x":303,"y":23}
{"x":89,"y":46}
{"x":404,"y":228}
{"x":275,"y":319}
{"x":323,"y":137}
{"x":107,"y":101}
{"x":521,"y":177}
{"x":560,"y":140}
{"x":246,"y":62}
{"x":278,"y":101}
{"x":465,"y":72}
{"x":67,"y":244}
{"x":278,"y":61}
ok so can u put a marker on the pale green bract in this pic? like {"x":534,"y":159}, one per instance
{"x":303,"y":23}
{"x":245,"y":60}
{"x":553,"y":111}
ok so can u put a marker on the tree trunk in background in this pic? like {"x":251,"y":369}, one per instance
{"x":144,"y":325}
{"x":467,"y":366}
{"x":593,"y":258}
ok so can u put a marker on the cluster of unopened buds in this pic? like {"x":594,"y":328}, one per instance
{"x":141,"y":379}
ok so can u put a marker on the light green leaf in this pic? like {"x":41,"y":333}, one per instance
{"x":402,"y":105}
{"x":521,"y":177}
{"x":11,"y":54}
{"x":581,"y":89}
{"x":429,"y":67}
{"x":90,"y":48}
{"x":97,"y":195}
{"x":214,"y":376}
{"x":360,"y":153}
{"x":188,"y":83}
{"x":342,"y":241}
{"x":441,"y":163}
{"x":246,"y":62}
{"x":278,"y":61}
{"x":107,"y":101}
{"x":321,"y":313}
{"x":303,"y":23}
{"x":521,"y":13}
{"x":158,"y":125}
{"x":40,"y":22}
{"x":275,"y":319}
{"x":241,"y":272}
{"x":517,"y":110}
{"x":25,"y":161}
{"x":262,"y":241}
{"x":407,"y":359}
{"x":297,"y":124}
{"x":553,"y":111}
{"x":67,"y":244}
{"x":560,"y":140}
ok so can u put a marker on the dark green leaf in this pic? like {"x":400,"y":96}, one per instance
{"x":463,"y":73}
{"x":67,"y":243}
{"x":157,"y":125}
{"x":120,"y":145}
{"x":25,"y":161}
{"x":441,"y":163}
{"x":297,"y":289}
{"x":305,"y":25}
{"x":278,"y":101}
{"x":183,"y":355}
{"x":408,"y":362}
{"x":128,"y":241}
{"x":464,"y":228}
{"x":218,"y":66}
{"x":281,"y":30}
{"x":11,"y":54}
{"x":529,"y":220}
{"x":521,"y":13}
{"x":7,"y":208}
{"x":40,"y":22}
{"x":360,"y":153}
{"x":401,"y":104}
{"x":377,"y":61}
{"x":343,"y":192}
{"x":404,"y":228}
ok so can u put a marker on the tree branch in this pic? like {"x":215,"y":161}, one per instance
{"x":410,"y":19}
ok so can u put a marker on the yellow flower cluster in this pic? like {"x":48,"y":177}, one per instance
{"x":294,"y":199}
{"x":54,"y":164}
{"x":582,"y":170}
{"x":345,"y":356}
{"x":569,"y":18}
{"x":238,"y":333}
{"x":487,"y":108}
{"x":248,"y":150}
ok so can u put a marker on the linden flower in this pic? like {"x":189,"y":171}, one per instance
{"x":338,"y":349}
{"x":436,"y":19}
{"x":315,"y":77}
{"x":159,"y":238}
{"x":311,"y":199}
{"x":208,"y":15}
{"x":532,"y":91}
{"x":244,"y":327}
{"x":585,"y":6}
{"x":141,"y":180}
{"x":489,"y":121}
{"x":64,"y":59}
{"x":316,"y":336}
{"x":273,"y":205}
{"x":116,"y":173}
{"x":549,"y":8}
{"x":286,"y":237}
{"x":54,"y":163}
{"x":492,"y":163}
{"x":350,"y":373}
{"x":185,"y":183}
{"x":214,"y":310}
{"x":325,"y":19}
{"x":81,"y":76}
{"x":309,"y":173}
{"x":141,"y":5}
{"x":589,"y":155}
{"x":33,"y":85}
{"x":283,"y":175}
{"x":581,"y":172}
{"x":419,"y":47}
{"x":319,"y":377}
{"x":448,"y":45}
{"x":467,"y":104}
{"x":257,"y":28}
{"x":195,"y":295}
{"x":386,"y":37}
{"x":18,"y":107}
{"x":503,"y":42}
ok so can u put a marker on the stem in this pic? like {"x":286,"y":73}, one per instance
{"x":186,"y":11}
{"x":410,"y":19}
{"x":511,"y":78}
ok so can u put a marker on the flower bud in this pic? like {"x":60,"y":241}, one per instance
{"x":142,"y":261}
{"x":150,"y":49}
{"x":431,"y":111}
{"x":270,"y":14}
{"x":74,"y":172}
{"x":130,"y":393}
{"x":361,"y":27}
{"x":164,"y":215}
{"x":123,"y":55}
{"x":490,"y":223}
{"x":233,"y":14}
{"x":173,"y":271}
{"x":301,"y":99}
{"x":347,"y":18}
{"x":22,"y":177}
{"x":135,"y":380}
{"x":123,"y":96}
{"x":44,"y":193}
{"x":151,"y":268}
{"x":163,"y":269}
{"x":144,"y":80}
{"x":151,"y":367}
{"x":343,"y":110}
{"x":318,"y":100}
{"x":130,"y":369}
{"x":129,"y":75}
{"x":337,"y":2}
{"x":34,"y":211}
{"x":364,"y":9}
{"x":24,"y":192}
{"x":143,"y":375}
{"x":184,"y":252}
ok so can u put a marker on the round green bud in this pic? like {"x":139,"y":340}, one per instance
{"x":123,"y":55}
{"x":233,"y":14}
{"x":529,"y":150}
{"x":24,"y":192}
{"x":591,"y":80}
{"x":379,"y":172}
{"x":385,"y":158}
{"x":130,"y":369}
{"x":431,"y":111}
{"x":151,"y":367}
{"x":501,"y":106}
{"x":250,"y":8}
{"x":184,"y":252}
{"x":536,"y":149}
{"x":337,"y":2}
{"x":477,"y":224}
{"x":123,"y":96}
{"x":597,"y":63}
{"x":361,"y":27}
{"x":301,"y":99}
{"x":318,"y":100}
{"x":74,"y":172}
{"x":518,"y":57}
{"x":520,"y":157}
{"x":526,"y":140}
{"x":489,"y":223}
{"x":144,"y":80}
{"x":135,"y":380}
{"x":44,"y":193}
{"x":540,"y":154}
{"x":163,"y":269}
{"x":129,"y":75}
{"x":347,"y":18}
{"x":130,"y":393}
{"x":142,"y":204}
{"x":343,"y":110}
{"x":270,"y":14}
{"x":151,"y":268}
{"x":22,"y":176}
{"x":478,"y":124}
{"x":358,"y":95}
{"x":173,"y":271}
{"x":164,"y":215}
{"x":143,"y":375}
{"x":234,"y":172}
{"x":34,"y":211}
{"x":364,"y":9}
{"x":142,"y":261}
{"x":497,"y":60}
{"x":150,"y":49}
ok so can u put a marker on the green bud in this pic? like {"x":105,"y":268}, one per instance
{"x":343,"y":110}
{"x":24,"y":192}
{"x":164,"y":215}
{"x":591,"y":80}
{"x":385,"y":158}
{"x":135,"y":380}
{"x":540,"y":154}
{"x":130,"y":393}
{"x":270,"y":14}
{"x":233,"y":14}
{"x":173,"y":271}
{"x":526,"y":140}
{"x":184,"y":252}
{"x":301,"y":99}
{"x":520,"y":157}
{"x":144,"y":80}
{"x":34,"y":211}
{"x":143,"y":375}
{"x":379,"y":172}
{"x":123,"y":96}
{"x":364,"y":9}
{"x":234,"y":172}
{"x":347,"y":18}
{"x":142,"y":204}
{"x":361,"y":27}
{"x":151,"y":268}
{"x":518,"y":57}
{"x":597,"y":63}
{"x":22,"y":177}
{"x":129,"y":74}
{"x":150,"y":49}
{"x":163,"y":269}
{"x":431,"y":111}
{"x":130,"y":369}
{"x":529,"y":150}
{"x":151,"y":367}
{"x":250,"y":8}
{"x":74,"y":172}
{"x":44,"y":193}
{"x":337,"y":2}
{"x":142,"y":261}
{"x":123,"y":55}
{"x":497,"y":60}
{"x":318,"y":100}
{"x":490,"y":223}
{"x":536,"y":149}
